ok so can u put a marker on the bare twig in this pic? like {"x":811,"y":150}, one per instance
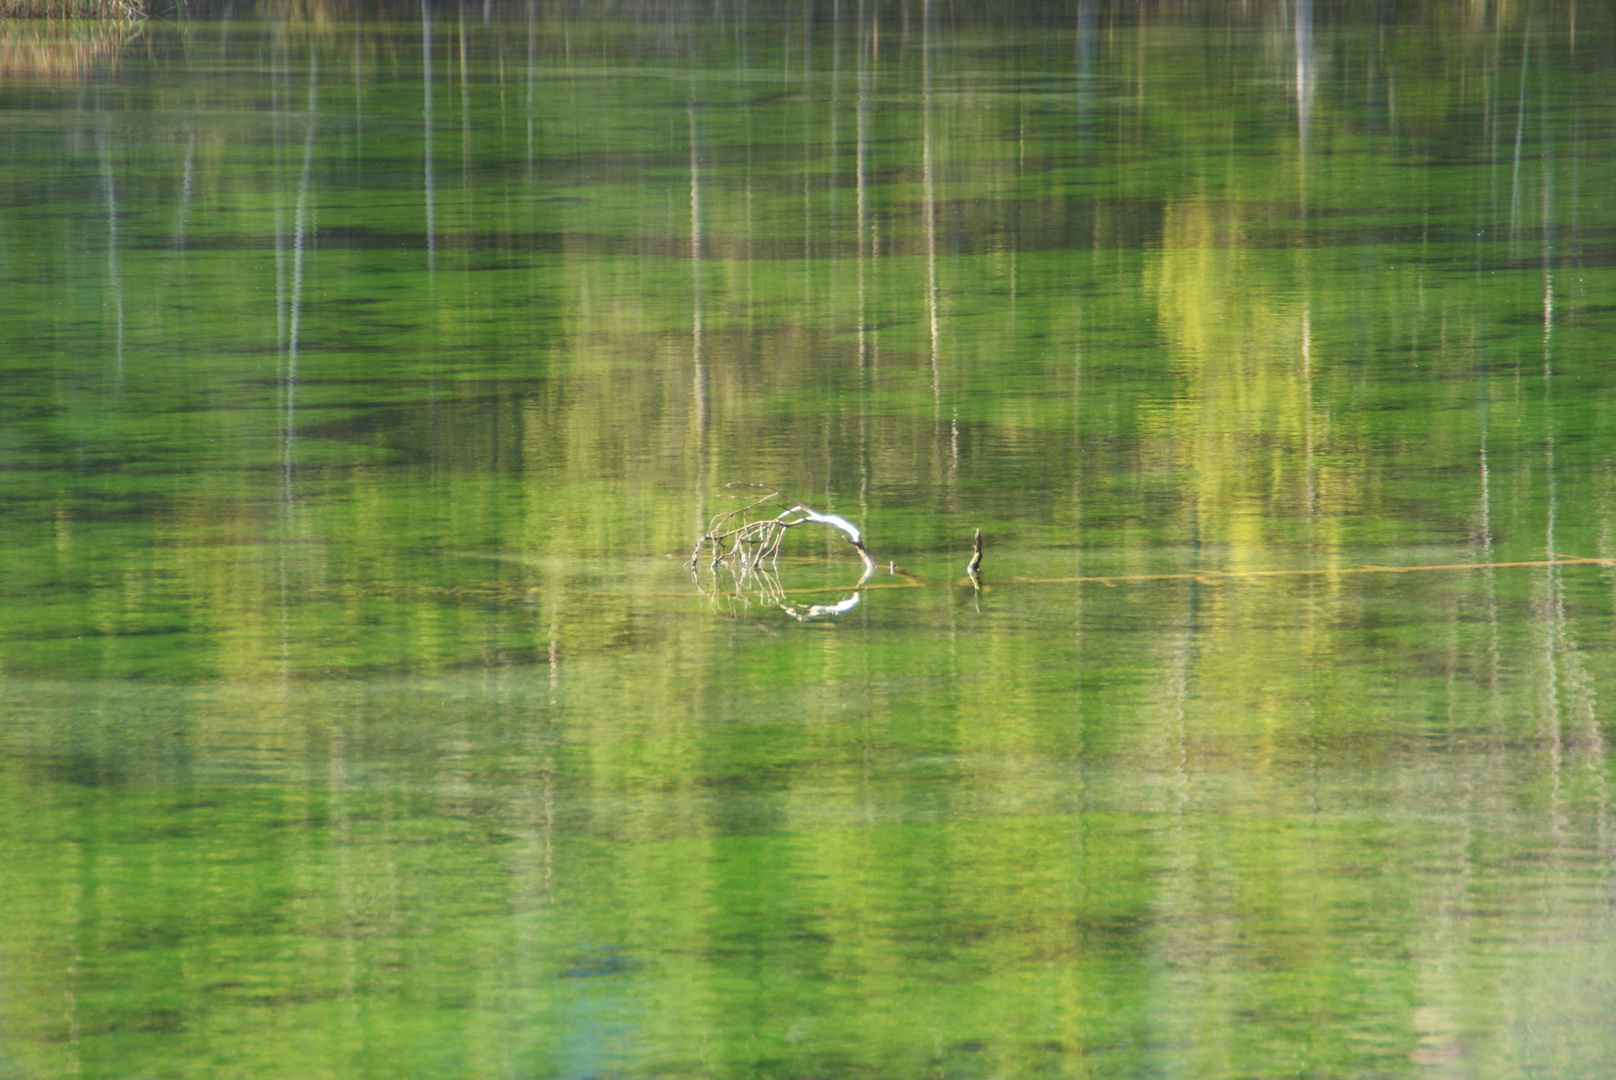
{"x":974,"y":567}
{"x":741,"y":552}
{"x":742,"y":549}
{"x":1215,"y":576}
{"x":741,"y":540}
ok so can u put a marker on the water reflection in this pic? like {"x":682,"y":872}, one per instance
{"x":347,"y":684}
{"x":61,"y":49}
{"x":734,"y":593}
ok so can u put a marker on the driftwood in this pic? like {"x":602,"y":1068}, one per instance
{"x":744,"y":539}
{"x":742,"y":549}
{"x":736,"y":561}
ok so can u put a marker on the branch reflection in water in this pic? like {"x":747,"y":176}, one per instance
{"x":742,"y":548}
{"x":732,"y":590}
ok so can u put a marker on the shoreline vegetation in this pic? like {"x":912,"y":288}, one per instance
{"x":1045,"y":15}
{"x":73,"y":9}
{"x":65,"y":47}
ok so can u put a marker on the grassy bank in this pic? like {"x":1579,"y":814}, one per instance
{"x":72,"y":9}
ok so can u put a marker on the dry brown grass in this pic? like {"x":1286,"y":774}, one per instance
{"x":60,"y":48}
{"x":72,"y":9}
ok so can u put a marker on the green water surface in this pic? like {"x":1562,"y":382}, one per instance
{"x":363,"y":387}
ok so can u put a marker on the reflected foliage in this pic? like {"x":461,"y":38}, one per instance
{"x":365,"y":383}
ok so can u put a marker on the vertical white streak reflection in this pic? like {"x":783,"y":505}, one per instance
{"x":554,"y":653}
{"x":1079,"y":743}
{"x":1305,"y":71}
{"x":293,"y":327}
{"x":1487,"y":556}
{"x":1307,"y":411}
{"x":277,"y":127}
{"x":282,"y":400}
{"x":1306,"y":76}
{"x":182,"y":218}
{"x":532,"y":72}
{"x":426,"y":131}
{"x":109,"y":190}
{"x":1520,"y":128}
{"x":465,"y":130}
{"x":300,"y":234}
{"x":73,"y":874}
{"x":1085,"y":46}
{"x":862,"y":210}
{"x":1553,"y":583}
{"x":359,"y":106}
{"x":928,"y":197}
{"x":861,"y":181}
{"x":698,"y":390}
{"x":187,"y":188}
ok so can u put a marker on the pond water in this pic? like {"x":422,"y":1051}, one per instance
{"x":364,"y":387}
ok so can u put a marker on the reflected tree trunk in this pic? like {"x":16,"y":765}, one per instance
{"x":1309,"y":479}
{"x":466,"y":190}
{"x":300,"y":235}
{"x":862,"y":240}
{"x":1306,"y":74}
{"x":175,"y":267}
{"x":278,"y":135}
{"x":294,"y":304}
{"x":182,"y":219}
{"x":928,"y":197}
{"x":1553,"y":585}
{"x":699,"y":388}
{"x":532,"y":76}
{"x":359,"y":108}
{"x":109,"y":191}
{"x":426,"y":135}
{"x":1485,"y":535}
{"x":1520,"y":129}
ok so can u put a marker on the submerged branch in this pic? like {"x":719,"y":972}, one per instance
{"x":974,"y":567}
{"x":743,"y":546}
{"x":744,"y":538}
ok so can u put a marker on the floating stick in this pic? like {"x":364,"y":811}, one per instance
{"x":1214,"y":576}
{"x":1219,"y":577}
{"x":742,"y":539}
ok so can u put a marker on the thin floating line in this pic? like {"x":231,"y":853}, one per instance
{"x":1216,"y":576}
{"x":1205,"y":577}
